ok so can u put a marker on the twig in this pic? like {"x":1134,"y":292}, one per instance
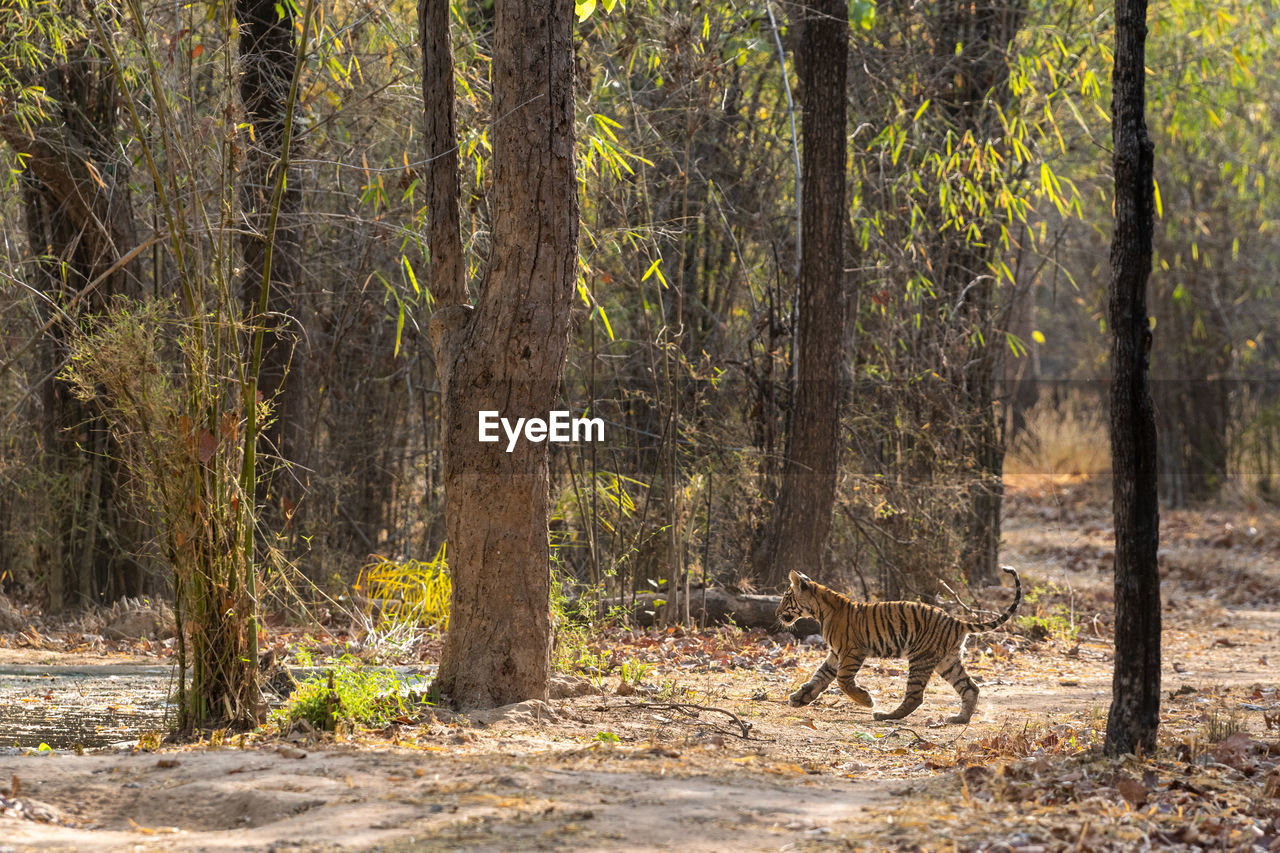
{"x":897,"y":729}
{"x":691,"y":710}
{"x":956,"y":596}
{"x":935,"y":742}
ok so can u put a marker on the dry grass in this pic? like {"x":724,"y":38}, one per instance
{"x":1069,"y":438}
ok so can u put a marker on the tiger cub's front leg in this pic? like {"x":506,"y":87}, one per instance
{"x":847,"y":679}
{"x":822,"y":677}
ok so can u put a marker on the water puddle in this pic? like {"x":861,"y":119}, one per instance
{"x":96,"y":706}
{"x":89,"y":706}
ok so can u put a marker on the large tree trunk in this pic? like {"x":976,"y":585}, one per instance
{"x":1135,"y":701}
{"x":268,"y":52}
{"x":507,"y":353}
{"x":803,"y":519}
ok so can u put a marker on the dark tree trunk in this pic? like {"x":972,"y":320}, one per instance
{"x":79,"y":221}
{"x":268,"y":51}
{"x":803,"y":519}
{"x":507,"y":353}
{"x":1021,"y":376}
{"x":976,"y":40}
{"x":448,"y":267}
{"x":1135,"y":702}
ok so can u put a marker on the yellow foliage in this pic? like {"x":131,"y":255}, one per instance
{"x":408,"y":591}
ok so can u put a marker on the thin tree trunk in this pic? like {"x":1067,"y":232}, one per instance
{"x":977,"y":40}
{"x":803,"y":519}
{"x":1135,"y":702}
{"x":447,"y":265}
{"x":268,"y":51}
{"x":506,"y":354}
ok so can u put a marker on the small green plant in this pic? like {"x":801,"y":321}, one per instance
{"x":606,"y":737}
{"x":672,"y":691}
{"x":347,"y":694}
{"x":634,"y":671}
{"x":572,"y":626}
{"x":1051,"y":625}
{"x":595,"y":666}
{"x":1051,"y":620}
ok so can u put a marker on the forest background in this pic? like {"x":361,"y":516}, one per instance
{"x":137,"y":341}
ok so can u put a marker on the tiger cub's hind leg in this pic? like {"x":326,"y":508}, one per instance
{"x":917,"y":677}
{"x":812,"y":689}
{"x":847,"y":680}
{"x":953,"y":671}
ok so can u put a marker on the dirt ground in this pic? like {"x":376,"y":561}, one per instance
{"x":707,"y":755}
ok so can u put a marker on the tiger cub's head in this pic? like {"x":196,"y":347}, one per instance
{"x":799,"y":600}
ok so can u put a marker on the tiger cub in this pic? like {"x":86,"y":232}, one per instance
{"x":929,"y":637}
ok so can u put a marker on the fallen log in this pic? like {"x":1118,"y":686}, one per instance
{"x":712,"y":606}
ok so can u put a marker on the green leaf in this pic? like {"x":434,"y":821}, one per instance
{"x":584,"y":8}
{"x":653,"y":268}
{"x":862,"y":13}
{"x":399,"y":327}
{"x":1016,"y":345}
{"x":408,"y":269}
{"x":604,"y":318}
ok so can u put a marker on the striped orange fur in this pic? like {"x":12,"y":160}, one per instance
{"x":929,"y":637}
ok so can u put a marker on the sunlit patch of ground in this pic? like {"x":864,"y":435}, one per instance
{"x":698,"y":749}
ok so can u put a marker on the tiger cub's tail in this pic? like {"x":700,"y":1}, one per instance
{"x":974,"y":627}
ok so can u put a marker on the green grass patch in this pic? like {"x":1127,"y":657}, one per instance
{"x":346,"y":695}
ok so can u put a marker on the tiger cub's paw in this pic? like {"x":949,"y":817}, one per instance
{"x":798,"y":700}
{"x":862,"y":697}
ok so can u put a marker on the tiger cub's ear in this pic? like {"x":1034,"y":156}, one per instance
{"x":800,"y":580}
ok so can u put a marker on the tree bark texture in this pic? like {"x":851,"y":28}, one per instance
{"x":506,"y":354}
{"x":803,"y":518}
{"x":1135,"y":702}
{"x":268,"y":49}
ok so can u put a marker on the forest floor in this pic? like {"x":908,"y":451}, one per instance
{"x":703,"y":753}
